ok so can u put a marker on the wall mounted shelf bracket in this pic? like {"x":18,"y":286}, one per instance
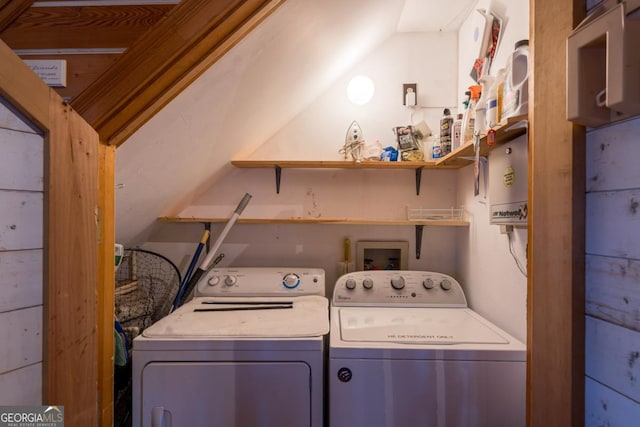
{"x":603,"y":65}
{"x":419,"y":229}
{"x":278,"y":170}
{"x":418,"y":179}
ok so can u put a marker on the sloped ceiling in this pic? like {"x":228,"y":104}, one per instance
{"x":137,"y":77}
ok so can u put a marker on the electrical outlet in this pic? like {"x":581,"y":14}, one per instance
{"x":506,"y":229}
{"x":408,"y":88}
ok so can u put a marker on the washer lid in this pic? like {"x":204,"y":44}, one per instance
{"x":268,"y":317}
{"x":416,"y":326}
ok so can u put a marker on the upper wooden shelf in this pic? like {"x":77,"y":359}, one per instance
{"x":335,"y":164}
{"x":505,"y":132}
{"x":463,"y":156}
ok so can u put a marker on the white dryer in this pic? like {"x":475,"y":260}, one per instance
{"x":247,"y":350}
{"x":405,"y":350}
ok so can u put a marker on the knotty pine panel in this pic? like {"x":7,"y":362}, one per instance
{"x":21,"y":279}
{"x":21,"y":333}
{"x":606,"y":407}
{"x":20,"y":220}
{"x":613,"y":356}
{"x":612,"y":157}
{"x":82,"y":27}
{"x":22,"y":165}
{"x":24,"y":385}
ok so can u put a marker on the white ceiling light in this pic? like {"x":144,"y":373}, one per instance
{"x":360,"y":90}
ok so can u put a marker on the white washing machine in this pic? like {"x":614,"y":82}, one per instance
{"x":405,"y":350}
{"x":246,"y":351}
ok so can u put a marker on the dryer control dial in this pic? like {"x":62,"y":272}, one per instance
{"x":397,"y":282}
{"x":428,"y":283}
{"x":213,"y":280}
{"x":367,"y":283}
{"x":445,"y":284}
{"x":291,"y":281}
{"x":230,"y":280}
{"x":350,"y":284}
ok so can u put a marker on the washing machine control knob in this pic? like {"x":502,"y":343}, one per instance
{"x":213,"y":280}
{"x":428,"y":283}
{"x":350,"y":284}
{"x":230,"y":280}
{"x":397,"y":282}
{"x":445,"y":284}
{"x":291,"y":280}
{"x":367,"y":283}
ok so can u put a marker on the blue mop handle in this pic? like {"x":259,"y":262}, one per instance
{"x":192,"y":265}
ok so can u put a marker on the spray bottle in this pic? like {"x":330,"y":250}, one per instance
{"x":468,"y":121}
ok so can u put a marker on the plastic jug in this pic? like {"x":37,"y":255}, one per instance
{"x":515,"y":96}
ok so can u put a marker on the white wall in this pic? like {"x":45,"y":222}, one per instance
{"x":21,"y":210}
{"x":478,"y":256}
{"x":317,"y":133}
{"x":494,"y":285}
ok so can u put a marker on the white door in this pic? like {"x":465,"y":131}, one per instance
{"x":226,"y":394}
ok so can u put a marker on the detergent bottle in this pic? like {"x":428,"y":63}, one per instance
{"x":515,"y":99}
{"x":446,"y":124}
{"x":468,"y":121}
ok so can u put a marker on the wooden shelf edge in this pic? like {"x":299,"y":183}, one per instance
{"x":332,"y":164}
{"x":338,"y":221}
{"x":505,"y":132}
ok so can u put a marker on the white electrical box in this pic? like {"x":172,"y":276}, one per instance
{"x":508,"y":183}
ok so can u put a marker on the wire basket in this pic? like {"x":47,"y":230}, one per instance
{"x":428,"y":214}
{"x":146,"y":284}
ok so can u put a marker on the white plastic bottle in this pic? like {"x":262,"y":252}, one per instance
{"x":515,"y":98}
{"x":456,"y":132}
{"x":436,"y":149}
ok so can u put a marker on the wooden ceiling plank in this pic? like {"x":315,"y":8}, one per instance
{"x":164,"y":61}
{"x":10,"y":10}
{"x":82,"y":27}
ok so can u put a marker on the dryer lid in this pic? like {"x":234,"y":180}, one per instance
{"x":416,"y":326}
{"x":253,"y":317}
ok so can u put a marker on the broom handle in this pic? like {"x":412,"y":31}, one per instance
{"x":212,"y":253}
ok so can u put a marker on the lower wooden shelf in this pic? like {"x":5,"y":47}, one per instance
{"x":323,"y":220}
{"x":419,"y":224}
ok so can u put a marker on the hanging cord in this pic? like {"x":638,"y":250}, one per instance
{"x":522,"y":269}
{"x":353,"y":149}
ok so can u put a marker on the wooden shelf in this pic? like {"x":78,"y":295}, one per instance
{"x":507,"y":131}
{"x":419,"y":225}
{"x":463,"y":156}
{"x":335,"y":164}
{"x":338,"y":221}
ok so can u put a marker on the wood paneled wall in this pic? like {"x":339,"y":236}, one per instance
{"x":21,"y":248}
{"x":613,"y":275}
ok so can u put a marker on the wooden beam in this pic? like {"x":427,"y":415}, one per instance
{"x":163,"y":62}
{"x":555,"y":324}
{"x":70,"y":366}
{"x":106,"y":281}
{"x":23,"y":88}
{"x":10,"y":10}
